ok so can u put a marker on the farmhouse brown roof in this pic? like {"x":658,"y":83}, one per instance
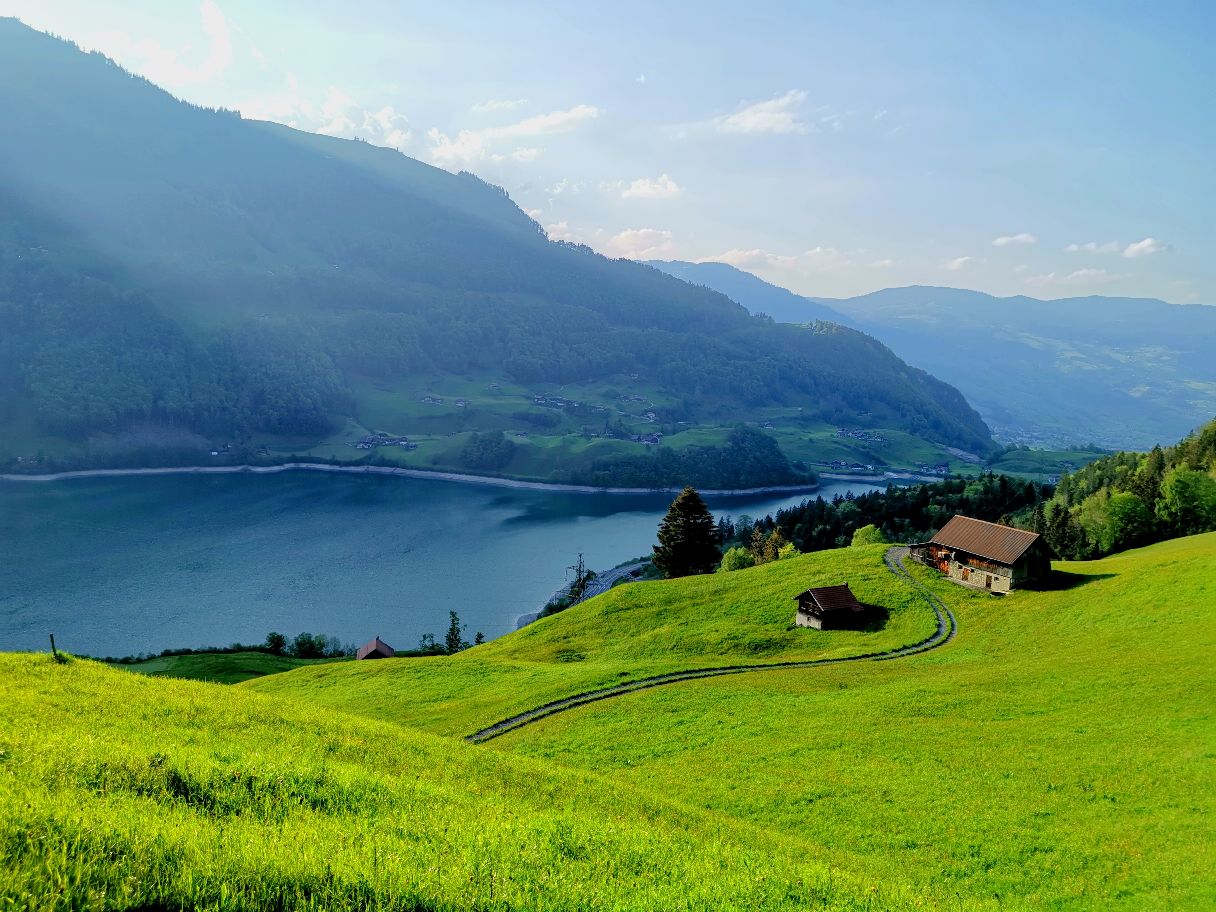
{"x":984,"y":539}
{"x":832,"y":598}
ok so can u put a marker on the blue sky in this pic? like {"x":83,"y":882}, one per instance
{"x":1051,"y":149}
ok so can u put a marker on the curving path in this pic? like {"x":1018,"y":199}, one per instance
{"x":894,"y":559}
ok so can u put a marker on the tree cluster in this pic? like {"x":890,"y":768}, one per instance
{"x":898,"y":514}
{"x":1129,"y":499}
{"x":749,"y":458}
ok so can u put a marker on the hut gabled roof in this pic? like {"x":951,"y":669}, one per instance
{"x":831,"y":598}
{"x":376,"y":645}
{"x":1002,"y":544}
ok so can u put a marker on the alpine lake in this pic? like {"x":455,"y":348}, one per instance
{"x":126,"y":565}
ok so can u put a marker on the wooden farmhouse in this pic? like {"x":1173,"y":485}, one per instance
{"x":376,"y":649}
{"x":986,"y":555}
{"x":830,"y":608}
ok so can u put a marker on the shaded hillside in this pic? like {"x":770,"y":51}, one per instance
{"x":1119,"y":372}
{"x":166,"y":264}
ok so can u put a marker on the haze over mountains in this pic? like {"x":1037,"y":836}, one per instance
{"x":166,"y":265}
{"x":1120,"y":372}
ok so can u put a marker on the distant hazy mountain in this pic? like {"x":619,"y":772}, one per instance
{"x":757,"y":295}
{"x":167,"y":265}
{"x":1121,"y":372}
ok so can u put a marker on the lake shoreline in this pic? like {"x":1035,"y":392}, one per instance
{"x":455,"y":477}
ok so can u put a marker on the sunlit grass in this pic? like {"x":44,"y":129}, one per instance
{"x":629,"y":632}
{"x":125,"y":792}
{"x":1058,"y":754}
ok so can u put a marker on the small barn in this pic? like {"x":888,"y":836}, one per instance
{"x":376,"y":649}
{"x":986,"y":555}
{"x":830,"y":608}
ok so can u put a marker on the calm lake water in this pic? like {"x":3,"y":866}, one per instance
{"x":120,"y":566}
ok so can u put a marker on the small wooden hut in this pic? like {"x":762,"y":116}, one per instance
{"x":830,"y":608}
{"x":376,"y":649}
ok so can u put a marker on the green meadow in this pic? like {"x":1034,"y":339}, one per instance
{"x":219,"y":667}
{"x":119,"y":791}
{"x":1057,"y":754}
{"x":631,"y":631}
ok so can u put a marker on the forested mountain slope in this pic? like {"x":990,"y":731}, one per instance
{"x":1120,"y":372}
{"x":166,"y":265}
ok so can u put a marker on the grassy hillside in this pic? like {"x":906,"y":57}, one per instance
{"x":219,"y":667}
{"x":124,"y":792}
{"x":1057,"y":755}
{"x":631,"y":631}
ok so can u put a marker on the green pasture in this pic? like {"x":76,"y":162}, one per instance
{"x":631,"y":631}
{"x":219,"y":667}
{"x":1059,"y":754}
{"x":119,"y":791}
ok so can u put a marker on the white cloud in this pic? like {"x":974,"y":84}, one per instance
{"x":881,"y":113}
{"x":663,"y":187}
{"x":641,"y":244}
{"x":958,"y":263}
{"x":560,"y":231}
{"x":495,"y":104}
{"x":1008,"y":240}
{"x":169,"y":66}
{"x":1077,"y":277}
{"x":882,"y":264}
{"x":476,"y":145}
{"x":467,"y":146}
{"x":565,"y":186}
{"x":1146,"y":247}
{"x":338,"y":115}
{"x":553,"y":122}
{"x":341,"y":116}
{"x":817,"y":259}
{"x":1093,"y":247}
{"x":641,"y":80}
{"x":777,"y":115}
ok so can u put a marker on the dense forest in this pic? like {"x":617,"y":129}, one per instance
{"x":1129,"y":499}
{"x":902,"y":514}
{"x":171,"y":265}
{"x":749,"y":458}
{"x":1120,"y":501}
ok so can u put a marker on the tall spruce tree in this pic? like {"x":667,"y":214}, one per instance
{"x":688,"y":539}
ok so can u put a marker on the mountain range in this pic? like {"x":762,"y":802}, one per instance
{"x":1118,"y":372}
{"x":169,"y":267}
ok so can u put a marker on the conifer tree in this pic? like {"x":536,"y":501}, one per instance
{"x":688,"y":539}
